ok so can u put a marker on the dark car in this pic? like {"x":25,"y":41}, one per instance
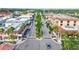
{"x":26,"y":32}
{"x":48,"y":45}
{"x":1,"y":43}
{"x":49,"y":32}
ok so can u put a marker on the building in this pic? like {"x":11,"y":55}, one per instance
{"x":16,"y":23}
{"x":5,"y":13}
{"x":64,"y":21}
{"x":5,"y":47}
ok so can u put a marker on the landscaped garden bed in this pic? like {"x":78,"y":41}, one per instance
{"x":38,"y":25}
{"x":70,"y":41}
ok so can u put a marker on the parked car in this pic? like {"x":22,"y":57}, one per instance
{"x":29,"y":23}
{"x":49,"y":32}
{"x":1,"y":43}
{"x":26,"y":32}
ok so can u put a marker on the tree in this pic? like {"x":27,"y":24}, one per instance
{"x":1,"y":30}
{"x":10,"y":30}
{"x":67,"y":44}
{"x":38,"y":25}
{"x":22,"y":26}
{"x":55,"y":28}
{"x":70,"y":42}
{"x":11,"y":36}
{"x":50,"y":28}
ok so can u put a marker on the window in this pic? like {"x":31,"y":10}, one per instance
{"x":67,"y":23}
{"x":74,"y":23}
{"x":61,"y":23}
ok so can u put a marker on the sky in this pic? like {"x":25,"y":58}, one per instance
{"x":39,"y":4}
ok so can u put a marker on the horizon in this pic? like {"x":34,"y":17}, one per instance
{"x":45,"y":8}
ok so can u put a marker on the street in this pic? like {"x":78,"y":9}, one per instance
{"x":47,"y":38}
{"x":32,"y":44}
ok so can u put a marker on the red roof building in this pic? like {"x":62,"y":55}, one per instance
{"x":4,"y":13}
{"x":5,"y":47}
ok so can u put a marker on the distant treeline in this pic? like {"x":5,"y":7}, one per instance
{"x":71,"y":11}
{"x":13,"y":9}
{"x":64,"y":11}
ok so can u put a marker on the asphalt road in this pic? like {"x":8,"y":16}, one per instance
{"x":32,"y":44}
{"x":47,"y":39}
{"x":32,"y":33}
{"x":29,"y":44}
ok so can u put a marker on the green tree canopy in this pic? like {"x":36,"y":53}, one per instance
{"x":10,"y":29}
{"x":1,"y":30}
{"x":11,"y":36}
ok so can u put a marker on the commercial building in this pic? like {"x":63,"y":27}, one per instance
{"x":15,"y":23}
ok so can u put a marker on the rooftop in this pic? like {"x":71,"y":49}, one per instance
{"x":5,"y":47}
{"x":62,"y":17}
{"x":2,"y":13}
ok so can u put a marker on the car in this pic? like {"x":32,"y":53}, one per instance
{"x":26,"y":32}
{"x":48,"y":45}
{"x":29,"y":23}
{"x":1,"y":43}
{"x":49,"y":32}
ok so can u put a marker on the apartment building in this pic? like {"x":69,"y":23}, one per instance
{"x":64,"y":21}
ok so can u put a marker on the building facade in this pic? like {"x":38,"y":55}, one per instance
{"x":66,"y":22}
